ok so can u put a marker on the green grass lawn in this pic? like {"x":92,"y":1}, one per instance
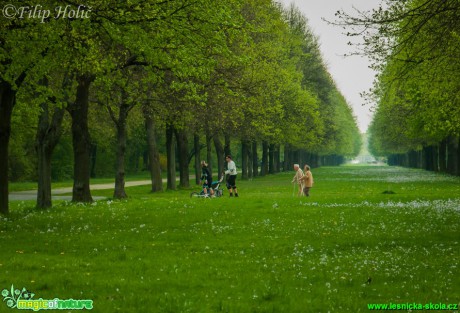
{"x":347,"y":246}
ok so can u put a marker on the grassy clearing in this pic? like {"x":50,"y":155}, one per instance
{"x":267,"y":251}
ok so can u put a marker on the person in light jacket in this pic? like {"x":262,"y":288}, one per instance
{"x":307,"y":180}
{"x":298,"y":178}
{"x":231,"y":171}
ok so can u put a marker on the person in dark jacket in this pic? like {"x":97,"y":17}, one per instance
{"x":206,"y":179}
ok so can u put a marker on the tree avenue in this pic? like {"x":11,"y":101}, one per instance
{"x":415,"y":47}
{"x":147,"y":85}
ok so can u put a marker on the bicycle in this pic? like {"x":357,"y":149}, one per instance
{"x":215,"y":185}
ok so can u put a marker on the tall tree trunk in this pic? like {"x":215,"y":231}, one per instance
{"x":227,"y":149}
{"x":320,"y":160}
{"x":428,"y":158}
{"x":453,"y":155}
{"x":209,"y":154}
{"x":302,"y":158}
{"x":182,"y":144}
{"x":48,"y":135}
{"x":171,"y":158}
{"x":277,"y":158}
{"x":244,"y":159}
{"x":81,"y":141}
{"x":435,"y":159}
{"x":7,"y":102}
{"x":220,"y":155}
{"x":295,"y":159}
{"x":249,"y":160}
{"x":255,"y":160}
{"x":403,"y":159}
{"x":264,"y":169}
{"x":287,"y":161}
{"x":420,"y":159}
{"x":443,"y":156}
{"x":119,"y":192}
{"x":314,"y":160}
{"x":152,"y":153}
{"x":271,"y":158}
{"x":324,"y":160}
{"x":197,"y":147}
{"x":412,"y":159}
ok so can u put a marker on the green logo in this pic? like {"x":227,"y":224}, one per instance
{"x":23,"y":300}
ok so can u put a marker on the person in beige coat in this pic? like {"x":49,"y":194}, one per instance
{"x":307,"y":180}
{"x":298,"y":178}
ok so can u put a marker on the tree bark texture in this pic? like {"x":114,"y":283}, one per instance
{"x":7,"y":102}
{"x":249,"y":160}
{"x":227,"y":148}
{"x":171,"y":158}
{"x":244,"y":159}
{"x":197,"y":148}
{"x":277,"y":158}
{"x":81,"y":141}
{"x":48,"y":134}
{"x":443,"y":156}
{"x":453,"y":155}
{"x":120,"y":192}
{"x":264,"y":169}
{"x":287,"y":161}
{"x":153,"y":154}
{"x":182,"y":145}
{"x":220,"y":155}
{"x":271,"y":158}
{"x":255,"y":160}
{"x":209,"y":154}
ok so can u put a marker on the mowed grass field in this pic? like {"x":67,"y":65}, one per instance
{"x":366,"y":235}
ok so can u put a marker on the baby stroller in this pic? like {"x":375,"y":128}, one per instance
{"x":215,"y":185}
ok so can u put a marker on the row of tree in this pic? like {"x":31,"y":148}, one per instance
{"x":415,"y":46}
{"x":192,"y":73}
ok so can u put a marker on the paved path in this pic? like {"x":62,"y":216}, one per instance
{"x":57,"y":194}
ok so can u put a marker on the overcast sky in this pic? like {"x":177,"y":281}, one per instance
{"x":351,"y":74}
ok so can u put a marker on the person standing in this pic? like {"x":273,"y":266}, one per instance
{"x":307,"y":180}
{"x":298,"y":178}
{"x":231,"y":171}
{"x":206,"y":179}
